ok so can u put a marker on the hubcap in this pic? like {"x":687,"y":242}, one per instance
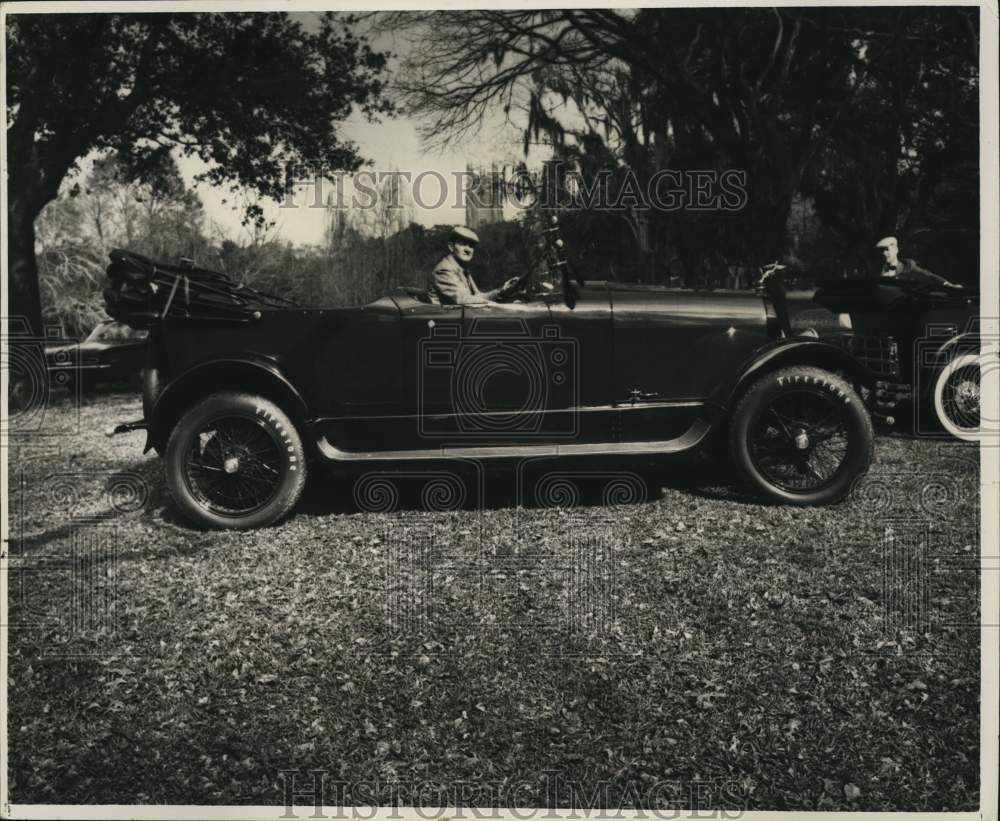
{"x":960,"y":398}
{"x":231,"y":465}
{"x":967,"y":396}
{"x":802,"y":440}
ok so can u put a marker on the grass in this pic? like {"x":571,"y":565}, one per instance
{"x":693,"y":647}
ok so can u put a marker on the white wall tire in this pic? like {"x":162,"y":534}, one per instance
{"x":957,"y":397}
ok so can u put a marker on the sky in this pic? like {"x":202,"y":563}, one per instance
{"x":390,"y":145}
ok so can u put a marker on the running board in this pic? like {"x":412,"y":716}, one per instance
{"x":689,"y":439}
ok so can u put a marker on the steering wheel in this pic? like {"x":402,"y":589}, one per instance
{"x":519,"y":286}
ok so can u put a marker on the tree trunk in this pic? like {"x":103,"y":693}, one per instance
{"x":28,"y":380}
{"x":30,"y":186}
{"x":22,"y":268}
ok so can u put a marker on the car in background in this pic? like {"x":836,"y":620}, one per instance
{"x":923,"y":344}
{"x":112,"y":352}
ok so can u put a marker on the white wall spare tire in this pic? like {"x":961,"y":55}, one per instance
{"x":957,"y":397}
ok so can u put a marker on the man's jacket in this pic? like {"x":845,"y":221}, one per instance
{"x":908,"y":269}
{"x":451,"y":284}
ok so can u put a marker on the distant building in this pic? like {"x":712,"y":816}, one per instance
{"x":485,"y":198}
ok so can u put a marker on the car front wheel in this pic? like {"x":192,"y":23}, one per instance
{"x":801,"y":436}
{"x":235,"y":460}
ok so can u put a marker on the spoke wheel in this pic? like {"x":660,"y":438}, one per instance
{"x":234,"y":465}
{"x":235,"y":460}
{"x":801,"y":436}
{"x":956,"y":397}
{"x":799,"y":441}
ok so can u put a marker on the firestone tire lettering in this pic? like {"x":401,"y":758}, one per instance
{"x":293,"y":474}
{"x":858,"y":424}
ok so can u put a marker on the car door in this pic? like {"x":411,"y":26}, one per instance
{"x":512,"y":376}
{"x":530,"y":372}
{"x":672,"y":348}
{"x":583,"y":324}
{"x":351,"y":356}
{"x":429,"y":336}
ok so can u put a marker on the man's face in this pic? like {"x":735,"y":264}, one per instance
{"x":462,"y":250}
{"x":890,"y":254}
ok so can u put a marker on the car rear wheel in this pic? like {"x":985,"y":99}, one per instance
{"x":235,"y":460}
{"x":801,"y":436}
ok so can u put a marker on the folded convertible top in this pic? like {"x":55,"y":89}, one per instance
{"x":141,"y":292}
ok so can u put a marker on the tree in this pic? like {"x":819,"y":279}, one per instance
{"x":906,"y":157}
{"x":162,"y":218}
{"x":75,"y":231}
{"x":250,"y":94}
{"x":769,"y":92}
{"x":749,"y":89}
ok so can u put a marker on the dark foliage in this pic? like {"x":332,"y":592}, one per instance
{"x":248,"y":93}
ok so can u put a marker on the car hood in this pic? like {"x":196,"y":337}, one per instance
{"x":91,"y":347}
{"x":714,"y":302}
{"x":671,"y":293}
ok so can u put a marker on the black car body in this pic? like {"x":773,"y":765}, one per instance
{"x":112,"y":352}
{"x":635,"y":365}
{"x":586,"y":369}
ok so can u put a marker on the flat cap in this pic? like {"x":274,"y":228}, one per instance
{"x":461,"y":232}
{"x":887,"y":242}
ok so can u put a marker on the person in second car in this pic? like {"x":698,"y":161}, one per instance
{"x":895,"y":266}
{"x":450,"y":283}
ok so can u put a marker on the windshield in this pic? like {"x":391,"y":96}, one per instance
{"x":116,"y":332}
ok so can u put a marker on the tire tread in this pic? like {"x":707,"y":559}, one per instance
{"x":752,"y":396}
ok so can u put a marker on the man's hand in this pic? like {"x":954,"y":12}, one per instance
{"x":508,"y":285}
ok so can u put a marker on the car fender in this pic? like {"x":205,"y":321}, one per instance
{"x":785,"y":353}
{"x":248,"y":374}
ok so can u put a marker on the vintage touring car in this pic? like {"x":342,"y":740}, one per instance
{"x":244,"y":392}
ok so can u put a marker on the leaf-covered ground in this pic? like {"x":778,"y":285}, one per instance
{"x":692,"y":648}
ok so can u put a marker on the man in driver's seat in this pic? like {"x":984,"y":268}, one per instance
{"x":450,"y":283}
